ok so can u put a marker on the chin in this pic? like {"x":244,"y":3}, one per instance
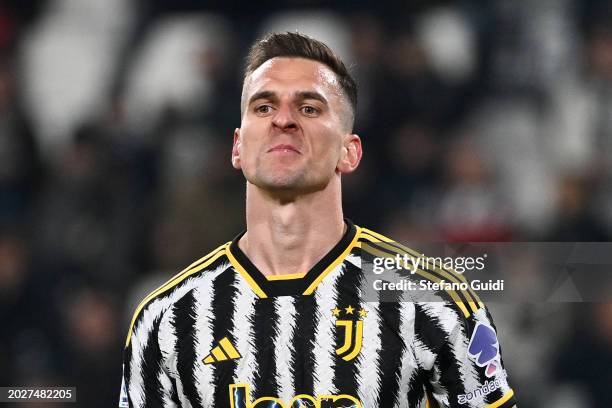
{"x":294,"y":188}
{"x":279,"y":180}
{"x":282,"y":185}
{"x":285,"y":182}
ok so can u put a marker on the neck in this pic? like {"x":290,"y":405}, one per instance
{"x":288,"y":236}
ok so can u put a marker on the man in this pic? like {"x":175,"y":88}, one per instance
{"x":279,"y":316}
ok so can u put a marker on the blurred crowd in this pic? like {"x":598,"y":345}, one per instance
{"x":481,"y":121}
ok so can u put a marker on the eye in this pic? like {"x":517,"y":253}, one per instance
{"x":309,"y":110}
{"x":263,"y":109}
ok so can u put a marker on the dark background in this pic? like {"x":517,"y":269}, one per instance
{"x":481,"y":121}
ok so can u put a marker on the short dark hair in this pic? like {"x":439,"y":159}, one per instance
{"x":301,"y":46}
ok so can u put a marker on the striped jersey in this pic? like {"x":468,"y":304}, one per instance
{"x":222,"y":334}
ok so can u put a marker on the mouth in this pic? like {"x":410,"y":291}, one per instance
{"x":284,"y":148}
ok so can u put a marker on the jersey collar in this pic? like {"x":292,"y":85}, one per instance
{"x":290,"y":285}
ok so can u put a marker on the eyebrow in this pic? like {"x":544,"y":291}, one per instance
{"x":262,"y":95}
{"x":300,"y":95}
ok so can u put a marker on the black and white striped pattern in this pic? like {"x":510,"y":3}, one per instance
{"x":287,"y":345}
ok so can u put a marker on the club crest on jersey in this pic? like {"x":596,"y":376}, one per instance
{"x":240,"y":398}
{"x":352,"y":325}
{"x":484,"y":348}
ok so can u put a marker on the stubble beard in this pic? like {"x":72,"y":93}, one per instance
{"x":289,"y":183}
{"x":280,"y":180}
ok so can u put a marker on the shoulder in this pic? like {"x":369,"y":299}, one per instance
{"x":155,"y":304}
{"x":442,"y":284}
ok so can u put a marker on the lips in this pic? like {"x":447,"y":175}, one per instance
{"x":284,"y":148}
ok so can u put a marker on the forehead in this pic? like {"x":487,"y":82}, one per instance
{"x":292,"y":74}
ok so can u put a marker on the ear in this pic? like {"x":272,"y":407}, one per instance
{"x":351,"y":154}
{"x":236,"y":150}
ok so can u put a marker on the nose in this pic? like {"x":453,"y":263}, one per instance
{"x":284,"y":119}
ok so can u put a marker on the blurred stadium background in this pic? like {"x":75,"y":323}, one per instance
{"x":481,"y":121}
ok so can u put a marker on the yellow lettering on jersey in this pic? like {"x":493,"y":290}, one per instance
{"x":240,"y":398}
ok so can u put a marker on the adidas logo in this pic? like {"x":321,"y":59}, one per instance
{"x":224,"y":351}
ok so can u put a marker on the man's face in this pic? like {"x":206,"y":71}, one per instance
{"x":294,"y":135}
